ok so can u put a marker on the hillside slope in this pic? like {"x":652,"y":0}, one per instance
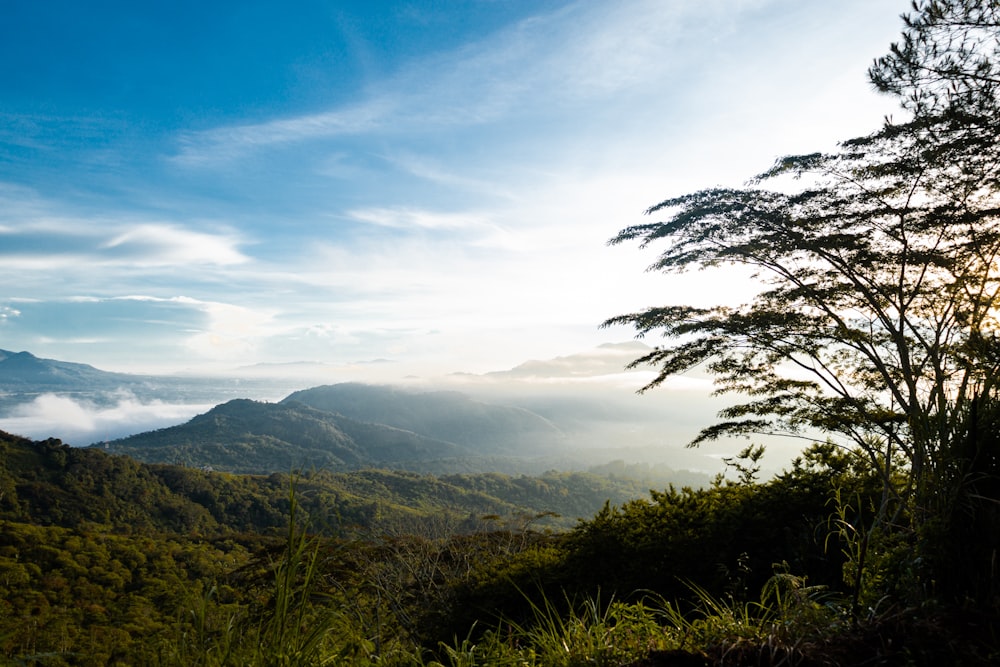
{"x":50,"y":483}
{"x":19,"y":369}
{"x":244,"y":436}
{"x":443,"y":415}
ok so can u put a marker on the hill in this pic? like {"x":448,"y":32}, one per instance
{"x":443,"y":415}
{"x":106,"y":560}
{"x":50,"y":483}
{"x":245,"y":436}
{"x":21,"y":369}
{"x":353,"y":426}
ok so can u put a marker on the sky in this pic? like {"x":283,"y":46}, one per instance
{"x":394,"y":189}
{"x":193,"y":186}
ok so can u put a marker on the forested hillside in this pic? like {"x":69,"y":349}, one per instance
{"x":100,"y":553}
{"x":108,"y":561}
{"x":51,"y":483}
{"x":353,"y":426}
{"x":246,"y":436}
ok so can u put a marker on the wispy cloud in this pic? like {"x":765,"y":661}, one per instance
{"x":541,"y":65}
{"x":34,"y":230}
{"x":229,"y":143}
{"x":165,"y":244}
{"x":409,"y":218}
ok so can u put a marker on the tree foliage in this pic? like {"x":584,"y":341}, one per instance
{"x":876,"y":319}
{"x":947,"y":60}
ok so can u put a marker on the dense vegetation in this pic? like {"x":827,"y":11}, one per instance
{"x":105,"y":560}
{"x":102,"y":554}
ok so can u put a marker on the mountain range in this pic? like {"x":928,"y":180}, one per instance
{"x":348,"y":427}
{"x":245,"y":436}
{"x":450,"y":416}
{"x":24,"y":377}
{"x":268,"y":425}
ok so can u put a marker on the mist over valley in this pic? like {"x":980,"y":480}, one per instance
{"x":568,"y":413}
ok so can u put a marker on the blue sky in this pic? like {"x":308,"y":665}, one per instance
{"x":209,"y":185}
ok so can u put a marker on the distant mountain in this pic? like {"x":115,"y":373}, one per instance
{"x":20,"y":369}
{"x":451,"y":416}
{"x":24,"y":377}
{"x":245,"y":436}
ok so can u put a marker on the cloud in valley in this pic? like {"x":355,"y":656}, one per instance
{"x":81,"y":422}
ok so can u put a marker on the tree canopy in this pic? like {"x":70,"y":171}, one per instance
{"x":876,"y":320}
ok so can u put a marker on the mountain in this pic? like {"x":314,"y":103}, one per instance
{"x":19,"y":369}
{"x":500,"y":430}
{"x":246,"y":436}
{"x":24,"y":378}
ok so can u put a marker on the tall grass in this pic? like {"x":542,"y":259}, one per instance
{"x":788,"y":620}
{"x":781,"y":627}
{"x":296,"y":631}
{"x":588,"y":633}
{"x":302,"y":625}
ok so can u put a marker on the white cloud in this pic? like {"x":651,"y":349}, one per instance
{"x":38,"y":237}
{"x":581,"y":52}
{"x":81,"y":422}
{"x":160,"y":244}
{"x":230,"y":331}
{"x":410,"y":219}
{"x":208,"y":147}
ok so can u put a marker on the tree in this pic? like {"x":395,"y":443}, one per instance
{"x":948,"y":58}
{"x":876,"y":322}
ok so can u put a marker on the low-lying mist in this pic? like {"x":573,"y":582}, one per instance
{"x":587,"y":396}
{"x":79,"y":421}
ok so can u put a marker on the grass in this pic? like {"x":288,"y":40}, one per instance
{"x":302,"y":626}
{"x":302,"y":631}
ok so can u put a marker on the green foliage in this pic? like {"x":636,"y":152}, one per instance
{"x":875,"y":324}
{"x":947,"y":61}
{"x":700,"y":535}
{"x":780,"y":627}
{"x":99,"y":548}
{"x":590,"y":633}
{"x":50,"y":482}
{"x":95,"y":593}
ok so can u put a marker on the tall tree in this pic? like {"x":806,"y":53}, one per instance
{"x":876,"y":322}
{"x":948,"y":58}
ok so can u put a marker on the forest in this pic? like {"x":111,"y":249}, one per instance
{"x":106,"y":560}
{"x":874,"y":340}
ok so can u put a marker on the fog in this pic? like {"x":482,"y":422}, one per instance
{"x":588,"y":396}
{"x":81,"y":422}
